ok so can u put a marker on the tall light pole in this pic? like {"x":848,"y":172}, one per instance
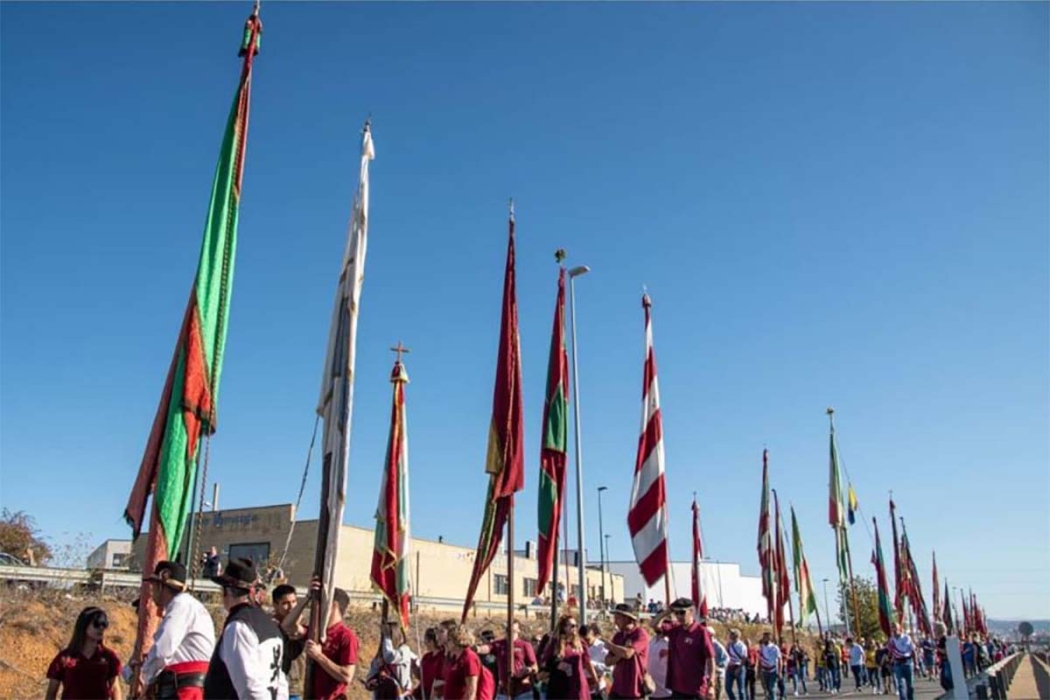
{"x":601,"y":540}
{"x":581,"y":560}
{"x":827,"y":610}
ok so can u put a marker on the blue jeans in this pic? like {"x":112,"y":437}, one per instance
{"x":834,"y":678}
{"x":295,"y":697}
{"x":798,"y":677}
{"x":858,"y":675}
{"x":769,"y":683}
{"x":904,"y":674}
{"x":736,"y":675}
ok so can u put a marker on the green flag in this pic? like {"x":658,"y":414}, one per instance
{"x":803,"y":583}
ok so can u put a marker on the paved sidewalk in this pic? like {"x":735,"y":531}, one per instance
{"x":1031,"y":682}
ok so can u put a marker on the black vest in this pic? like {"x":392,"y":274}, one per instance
{"x":217,"y":684}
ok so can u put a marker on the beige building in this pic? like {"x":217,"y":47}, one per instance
{"x":111,"y":554}
{"x":440,"y":571}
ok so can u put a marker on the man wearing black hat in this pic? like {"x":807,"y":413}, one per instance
{"x":178,"y":660}
{"x":246,"y":664}
{"x":691,"y":655}
{"x":628,"y":655}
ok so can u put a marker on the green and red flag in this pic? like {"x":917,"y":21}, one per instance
{"x":803,"y":583}
{"x":187,"y":410}
{"x":553,"y":450}
{"x":390,"y":562}
{"x":766,"y":549}
{"x":505,"y":461}
{"x":837,"y":511}
{"x":885,"y":611}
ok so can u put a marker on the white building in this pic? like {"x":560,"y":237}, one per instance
{"x":111,"y":554}
{"x":721,"y":582}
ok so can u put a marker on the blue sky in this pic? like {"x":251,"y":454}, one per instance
{"x":831,"y":204}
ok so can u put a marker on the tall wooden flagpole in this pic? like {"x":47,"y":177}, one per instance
{"x":510,"y":565}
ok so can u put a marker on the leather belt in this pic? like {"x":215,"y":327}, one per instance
{"x":190,"y":680}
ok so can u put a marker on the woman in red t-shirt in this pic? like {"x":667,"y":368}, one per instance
{"x":86,"y":669}
{"x":430,"y":664}
{"x":568,"y":661}
{"x":465,"y":677}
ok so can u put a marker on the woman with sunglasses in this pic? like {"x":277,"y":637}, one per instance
{"x":86,"y":669}
{"x":568,"y":662}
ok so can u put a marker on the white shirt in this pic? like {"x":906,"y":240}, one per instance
{"x":769,"y":657}
{"x":254,"y":668}
{"x":400,"y":661}
{"x":658,"y":651}
{"x":737,"y":653}
{"x":186,"y":633}
{"x":598,"y":653}
{"x":856,"y":655}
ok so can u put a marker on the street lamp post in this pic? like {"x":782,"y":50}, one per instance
{"x":827,"y":610}
{"x":601,"y":540}
{"x":581,"y":561}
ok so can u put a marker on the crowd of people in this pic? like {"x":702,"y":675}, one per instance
{"x":262,"y":655}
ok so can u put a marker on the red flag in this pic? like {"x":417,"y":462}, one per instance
{"x":783,"y":584}
{"x":699,"y":597}
{"x":647,"y":516}
{"x":766,"y":549}
{"x":390,"y":563}
{"x":900,"y":586}
{"x":505,"y":461}
{"x":936,"y":592}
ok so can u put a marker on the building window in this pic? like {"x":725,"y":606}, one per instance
{"x":258,"y":552}
{"x":118,"y":560}
{"x":530,"y":588}
{"x":499,"y":582}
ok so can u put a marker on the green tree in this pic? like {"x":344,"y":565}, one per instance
{"x":19,"y":536}
{"x":868,"y":602}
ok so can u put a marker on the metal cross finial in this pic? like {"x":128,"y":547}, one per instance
{"x":255,"y":9}
{"x":560,"y":255}
{"x":400,"y":349}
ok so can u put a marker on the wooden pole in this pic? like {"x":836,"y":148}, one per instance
{"x":554,"y":580}
{"x":510,"y":595}
{"x":853,"y":593}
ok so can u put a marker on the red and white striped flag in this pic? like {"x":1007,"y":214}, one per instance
{"x":647,"y":517}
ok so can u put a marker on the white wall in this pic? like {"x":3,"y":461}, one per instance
{"x":722,"y":582}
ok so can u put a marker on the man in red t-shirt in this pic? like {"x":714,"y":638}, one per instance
{"x":628,"y":654}
{"x":691,"y":659}
{"x":335,"y":660}
{"x":524,"y":665}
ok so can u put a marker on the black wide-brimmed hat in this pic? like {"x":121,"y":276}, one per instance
{"x":239,"y":573}
{"x":169,"y":573}
{"x":625,"y":610}
{"x":682,"y":604}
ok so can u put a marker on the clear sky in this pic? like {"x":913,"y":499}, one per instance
{"x":831,"y":204}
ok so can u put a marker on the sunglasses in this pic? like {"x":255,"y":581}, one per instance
{"x":679,"y":613}
{"x":100,"y":624}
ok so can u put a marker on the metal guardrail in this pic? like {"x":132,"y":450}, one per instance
{"x":103,"y":579}
{"x":1001,"y":674}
